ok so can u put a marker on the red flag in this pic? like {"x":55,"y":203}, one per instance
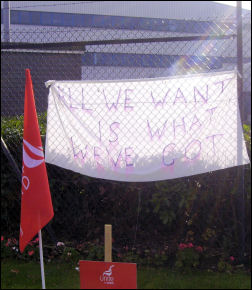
{"x":36,"y":203}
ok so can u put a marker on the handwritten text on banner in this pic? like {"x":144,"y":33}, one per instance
{"x":145,"y":130}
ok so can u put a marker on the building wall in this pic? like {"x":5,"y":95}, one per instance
{"x":58,"y":21}
{"x":13,"y":66}
{"x":155,"y":9}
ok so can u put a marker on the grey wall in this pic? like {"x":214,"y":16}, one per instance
{"x":43,"y":67}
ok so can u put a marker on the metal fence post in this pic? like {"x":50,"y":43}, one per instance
{"x":240,"y":173}
{"x":6,"y":20}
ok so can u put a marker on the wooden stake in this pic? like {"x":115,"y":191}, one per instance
{"x":108,"y":243}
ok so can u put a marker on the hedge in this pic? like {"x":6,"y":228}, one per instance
{"x":204,"y":210}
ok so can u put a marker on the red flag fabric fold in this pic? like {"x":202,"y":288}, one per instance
{"x":36,"y":203}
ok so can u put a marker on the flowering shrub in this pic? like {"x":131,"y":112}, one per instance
{"x":10,"y":249}
{"x":188,"y":256}
{"x":70,"y":255}
{"x":164,"y":212}
{"x":185,"y":256}
{"x":226,"y":264}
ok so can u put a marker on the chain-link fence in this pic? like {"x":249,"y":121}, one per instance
{"x":138,"y":211}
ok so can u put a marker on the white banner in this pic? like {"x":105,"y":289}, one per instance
{"x":145,"y":130}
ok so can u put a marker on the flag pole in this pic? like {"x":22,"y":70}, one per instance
{"x":41,"y":260}
{"x":35,"y":175}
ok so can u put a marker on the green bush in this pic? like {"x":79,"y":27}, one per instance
{"x":188,"y":257}
{"x":149,"y":218}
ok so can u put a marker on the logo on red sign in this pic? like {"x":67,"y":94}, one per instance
{"x":107,"y":275}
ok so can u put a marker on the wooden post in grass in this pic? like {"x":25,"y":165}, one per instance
{"x":108,"y":243}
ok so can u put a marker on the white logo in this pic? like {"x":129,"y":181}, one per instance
{"x":29,"y":161}
{"x":106,"y":277}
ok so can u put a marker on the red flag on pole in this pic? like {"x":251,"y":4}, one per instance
{"x":36,"y":203}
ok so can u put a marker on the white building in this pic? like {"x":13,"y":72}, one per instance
{"x":71,"y":21}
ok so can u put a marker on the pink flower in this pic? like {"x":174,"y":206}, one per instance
{"x":30,"y":253}
{"x":231,"y":258}
{"x":190,"y":245}
{"x":182,"y":246}
{"x":8,"y":242}
{"x":62,"y":244}
{"x":14,"y":241}
{"x":199,"y":249}
{"x":34,"y":242}
{"x":2,"y":238}
{"x":119,"y":255}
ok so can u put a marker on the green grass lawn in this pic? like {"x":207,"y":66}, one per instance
{"x":26,"y":275}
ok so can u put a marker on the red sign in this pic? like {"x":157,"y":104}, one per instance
{"x":107,"y":275}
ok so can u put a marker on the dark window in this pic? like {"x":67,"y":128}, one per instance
{"x":46,"y":18}
{"x":57,"y":19}
{"x":25,"y":17}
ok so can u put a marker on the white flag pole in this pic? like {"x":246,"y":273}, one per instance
{"x":41,"y":260}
